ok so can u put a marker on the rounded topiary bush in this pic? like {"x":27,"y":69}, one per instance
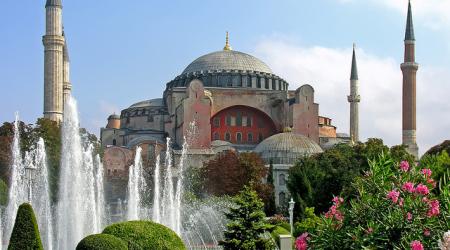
{"x":25,"y":234}
{"x":101,"y":242}
{"x":146,"y":235}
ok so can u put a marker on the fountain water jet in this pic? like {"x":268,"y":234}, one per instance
{"x":136,"y":186}
{"x":23,"y":186}
{"x":77,"y":211}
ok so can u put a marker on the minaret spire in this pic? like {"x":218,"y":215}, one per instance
{"x":354,"y":98}
{"x":409,"y":69}
{"x":54,"y":42}
{"x":409,"y":33}
{"x":67,"y":86}
{"x":227,"y":43}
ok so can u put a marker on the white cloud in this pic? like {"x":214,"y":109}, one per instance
{"x":433,"y":13}
{"x":328,"y":71}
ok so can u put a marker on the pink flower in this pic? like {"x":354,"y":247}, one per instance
{"x":416,"y":245}
{"x":409,"y":216}
{"x":404,"y":166}
{"x":400,"y":203}
{"x":433,"y":208}
{"x":301,"y":243}
{"x":338,"y":200}
{"x":422,"y":189}
{"x":432,"y":182}
{"x":393,"y":195}
{"x":408,"y":187}
{"x":426,"y":232}
{"x":426,"y":172}
{"x":369,"y":230}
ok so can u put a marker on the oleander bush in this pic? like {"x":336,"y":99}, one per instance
{"x":145,"y":235}
{"x":101,"y":242}
{"x":394,"y":208}
{"x":25,"y":234}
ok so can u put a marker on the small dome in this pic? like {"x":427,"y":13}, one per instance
{"x":114,"y":117}
{"x":227,"y":60}
{"x":148,"y":103}
{"x":286,"y":148}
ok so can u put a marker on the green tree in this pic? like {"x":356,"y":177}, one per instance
{"x":246,"y":227}
{"x":50,"y":131}
{"x":313,"y":181}
{"x":3,"y":193}
{"x":270,"y":207}
{"x":229,"y":172}
{"x":25,"y":234}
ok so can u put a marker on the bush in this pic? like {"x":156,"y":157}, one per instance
{"x":25,"y":234}
{"x":277,"y":231}
{"x":101,"y":242}
{"x":395,"y":208}
{"x":145,"y":235}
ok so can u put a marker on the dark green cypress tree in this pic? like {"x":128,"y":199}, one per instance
{"x":25,"y":234}
{"x":246,"y":227}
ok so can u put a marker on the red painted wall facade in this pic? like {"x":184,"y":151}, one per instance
{"x":241,"y":125}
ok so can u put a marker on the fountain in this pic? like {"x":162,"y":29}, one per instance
{"x":136,"y":186}
{"x":29,"y":183}
{"x":81,"y":209}
{"x":199,"y":223}
{"x":78,"y":212}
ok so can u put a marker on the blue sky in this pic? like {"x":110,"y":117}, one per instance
{"x":125,"y":51}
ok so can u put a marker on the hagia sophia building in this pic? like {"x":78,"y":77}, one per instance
{"x":224,"y":100}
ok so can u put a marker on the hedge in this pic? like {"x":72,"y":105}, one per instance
{"x":277,"y":231}
{"x":25,"y":234}
{"x":101,"y":242}
{"x":146,"y":235}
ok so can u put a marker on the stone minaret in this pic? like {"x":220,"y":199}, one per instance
{"x":354,"y":98}
{"x":53,"y":62}
{"x":67,"y":86}
{"x":409,"y":69}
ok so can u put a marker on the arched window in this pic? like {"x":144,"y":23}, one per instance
{"x":238,"y":137}
{"x":260,"y":137}
{"x":228,"y":120}
{"x":216,"y":136}
{"x":227,"y":136}
{"x":216,"y":122}
{"x":250,"y":137}
{"x":282,"y":180}
{"x":114,"y":142}
{"x":239,"y":119}
{"x":281,"y":199}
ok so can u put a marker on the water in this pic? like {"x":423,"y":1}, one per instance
{"x":29,"y":183}
{"x":78,"y":212}
{"x":136,"y":187}
{"x":200,"y":223}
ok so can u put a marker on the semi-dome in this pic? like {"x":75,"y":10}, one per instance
{"x":286,"y":148}
{"x":148,"y":103}
{"x":227,"y":60}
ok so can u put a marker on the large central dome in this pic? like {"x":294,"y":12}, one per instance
{"x":227,"y":60}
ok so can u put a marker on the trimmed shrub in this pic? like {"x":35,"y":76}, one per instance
{"x":25,"y":234}
{"x":277,"y":231}
{"x":101,"y":242}
{"x":145,"y":235}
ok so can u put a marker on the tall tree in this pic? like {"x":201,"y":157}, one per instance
{"x":247,"y":225}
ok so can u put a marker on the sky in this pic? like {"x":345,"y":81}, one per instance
{"x":123,"y":52}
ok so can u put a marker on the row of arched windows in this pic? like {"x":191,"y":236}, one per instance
{"x":238,"y":136}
